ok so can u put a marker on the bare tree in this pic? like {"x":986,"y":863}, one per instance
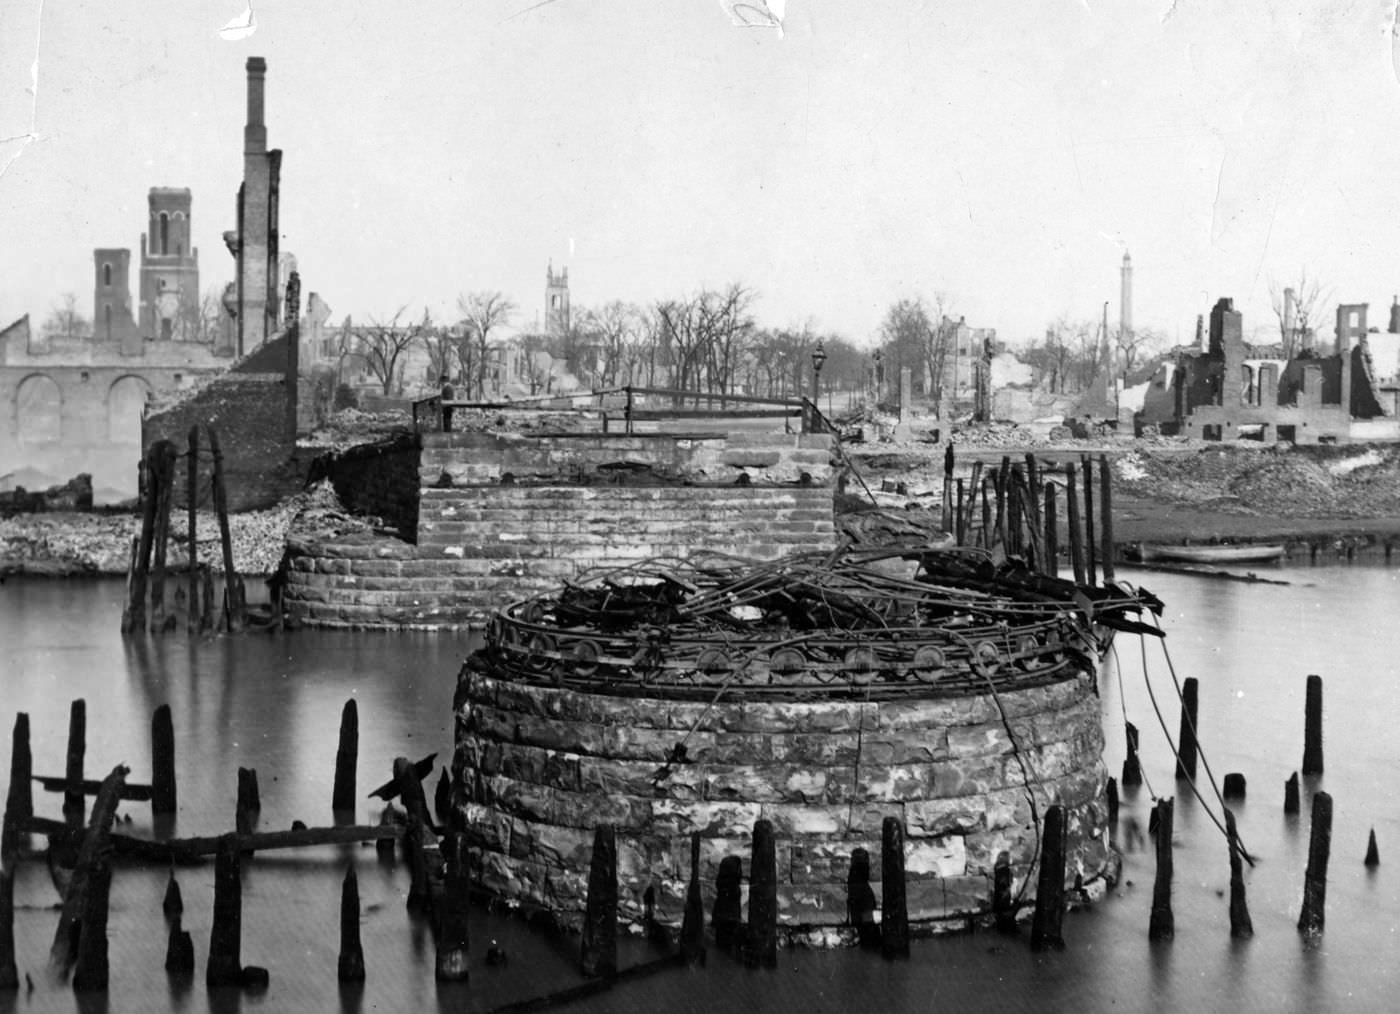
{"x":482,"y":313}
{"x":199,"y":319}
{"x":705,"y":335}
{"x":1137,"y":347}
{"x":64,"y":320}
{"x":381,"y":345}
{"x":1297,"y":329}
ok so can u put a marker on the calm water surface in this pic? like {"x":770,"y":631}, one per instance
{"x":272,"y":702}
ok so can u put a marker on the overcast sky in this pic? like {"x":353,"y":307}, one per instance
{"x":1004,"y":154}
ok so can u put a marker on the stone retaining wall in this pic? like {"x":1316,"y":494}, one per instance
{"x":537,"y":768}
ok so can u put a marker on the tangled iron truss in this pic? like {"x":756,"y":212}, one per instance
{"x":880,"y":623}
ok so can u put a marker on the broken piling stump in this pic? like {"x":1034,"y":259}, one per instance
{"x":1241,"y":925}
{"x":416,"y":836}
{"x":1162,"y":924}
{"x":726,"y":918}
{"x":179,"y":950}
{"x":452,"y":940}
{"x":346,"y":758}
{"x":225,"y":964}
{"x":598,"y":952}
{"x":173,"y":905}
{"x":94,"y":847}
{"x":1048,"y":921}
{"x":894,"y":904}
{"x":162,"y":763}
{"x":693,"y":921}
{"x":9,"y":974}
{"x":1110,"y":791}
{"x":74,"y":804}
{"x":351,"y":965}
{"x":1003,"y":904}
{"x":1313,"y":914}
{"x":19,"y":799}
{"x":92,"y":970}
{"x":1234,"y":786}
{"x":1186,"y":736}
{"x":1132,"y":767}
{"x":192,"y":505}
{"x":1373,"y":855}
{"x":1312,"y":728}
{"x":860,"y":900}
{"x":762,"y":943}
{"x":1290,"y":795}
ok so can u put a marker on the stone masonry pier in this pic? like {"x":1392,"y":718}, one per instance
{"x":538,"y":767}
{"x":504,"y":516}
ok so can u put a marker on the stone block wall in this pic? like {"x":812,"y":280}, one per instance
{"x":536,"y":769}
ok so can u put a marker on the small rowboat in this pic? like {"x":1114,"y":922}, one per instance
{"x":1246,"y":553}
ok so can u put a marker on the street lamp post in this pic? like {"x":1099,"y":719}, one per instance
{"x":878,"y":377}
{"x":818,"y":358}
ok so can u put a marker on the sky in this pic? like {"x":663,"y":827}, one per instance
{"x":1002,"y":154}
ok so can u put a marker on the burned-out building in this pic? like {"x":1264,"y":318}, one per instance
{"x":1224,"y":390}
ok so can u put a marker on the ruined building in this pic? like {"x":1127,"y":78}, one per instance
{"x":1224,"y":391}
{"x":556,"y":302}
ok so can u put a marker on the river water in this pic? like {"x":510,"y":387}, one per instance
{"x":273,"y":702}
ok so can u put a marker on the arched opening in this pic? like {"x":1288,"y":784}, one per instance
{"x":126,"y":403}
{"x":164,"y":233}
{"x":106,"y":274}
{"x":38,"y":410}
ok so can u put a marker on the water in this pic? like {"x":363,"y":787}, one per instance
{"x":273,"y":702}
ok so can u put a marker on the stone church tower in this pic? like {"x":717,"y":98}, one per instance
{"x":556,"y":301}
{"x":169,"y":265}
{"x":112,"y":320}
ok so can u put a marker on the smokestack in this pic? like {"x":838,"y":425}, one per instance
{"x":255,"y":133}
{"x":1290,"y":313}
{"x":1394,"y":315}
{"x":1125,"y":307}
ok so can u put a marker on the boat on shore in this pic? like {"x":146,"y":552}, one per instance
{"x":1255,"y":552}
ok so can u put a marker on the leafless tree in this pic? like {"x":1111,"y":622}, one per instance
{"x":380,"y":345}
{"x":482,"y":313}
{"x":1137,"y":347}
{"x":199,"y":319}
{"x":64,"y":320}
{"x":1310,"y":298}
{"x":705,"y":335}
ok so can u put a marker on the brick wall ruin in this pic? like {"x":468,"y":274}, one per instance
{"x":540,"y":767}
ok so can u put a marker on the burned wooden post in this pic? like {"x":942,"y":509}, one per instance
{"x":1290,"y":795}
{"x":91,"y":971}
{"x":1373,"y":855}
{"x":1106,"y":497}
{"x":946,"y":513}
{"x":9,"y":974}
{"x":346,"y":758}
{"x":93,"y":847}
{"x":1186,"y":736}
{"x":249,"y":804}
{"x":726,"y":918}
{"x":1110,"y":791}
{"x":894,"y":906}
{"x":452,"y":938}
{"x":693,"y":921}
{"x":1090,"y":548}
{"x":1003,"y":903}
{"x":179,"y":950}
{"x":74,"y":803}
{"x":1162,"y":924}
{"x":410,"y":791}
{"x":225,"y":964}
{"x":1312,"y":728}
{"x":1233,"y":786}
{"x":233,"y":617}
{"x":162,"y":762}
{"x":960,"y":524}
{"x":165,"y":457}
{"x":351,"y":966}
{"x":134,"y":615}
{"x":19,"y":800}
{"x":173,"y":904}
{"x":988,"y":531}
{"x":1132,"y":767}
{"x":1241,"y":925}
{"x":762,"y":943}
{"x":442,"y":802}
{"x":860,"y":900}
{"x":1048,"y":921}
{"x":1051,"y":538}
{"x":1076,"y":536}
{"x":598,"y":956}
{"x":1313,"y":914}
{"x":192,"y":515}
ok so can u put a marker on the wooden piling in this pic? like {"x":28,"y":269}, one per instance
{"x":346,"y":758}
{"x":960,"y":522}
{"x":598,"y":953}
{"x":452,"y":936}
{"x":1162,"y":924}
{"x":1090,"y":547}
{"x":93,"y":847}
{"x":179,"y":950}
{"x":191,"y":519}
{"x":1312,"y":728}
{"x":988,"y":532}
{"x":1033,"y":494}
{"x":860,"y":900}
{"x":1048,"y":922}
{"x":1106,"y":509}
{"x":1051,"y":539}
{"x":249,"y":804}
{"x":1076,"y":536}
{"x":1186,"y":750}
{"x":233,"y":618}
{"x":19,"y":800}
{"x":134,"y":615}
{"x":208,"y":611}
{"x":1373,"y":855}
{"x":762,"y":941}
{"x":693,"y":920}
{"x":946,"y":511}
{"x":418,"y":833}
{"x":225,"y":964}
{"x":1313,"y":914}
{"x":351,"y":965}
{"x":1132,"y":766}
{"x":1003,"y":486}
{"x":726,"y":917}
{"x":173,"y":905}
{"x":165,"y":457}
{"x":163,"y":796}
{"x":442,"y":802}
{"x":973,"y":485}
{"x":894,"y":902}
{"x":1233,"y":786}
{"x":9,"y":973}
{"x":1003,"y":902}
{"x":1110,"y":791}
{"x":1290,"y":795}
{"x":91,"y":971}
{"x":74,"y":803}
{"x":1241,"y":925}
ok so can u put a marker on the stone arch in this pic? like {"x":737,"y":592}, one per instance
{"x":38,"y":409}
{"x":126,"y":404}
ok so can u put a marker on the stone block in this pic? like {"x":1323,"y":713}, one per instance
{"x":935,"y":857}
{"x":711,"y":818}
{"x":948,"y":897}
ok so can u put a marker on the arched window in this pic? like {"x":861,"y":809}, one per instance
{"x":38,"y":410}
{"x":126,"y":403}
{"x":106,"y":274}
{"x":164,"y":233}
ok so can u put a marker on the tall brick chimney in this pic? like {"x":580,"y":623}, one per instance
{"x":255,"y":131}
